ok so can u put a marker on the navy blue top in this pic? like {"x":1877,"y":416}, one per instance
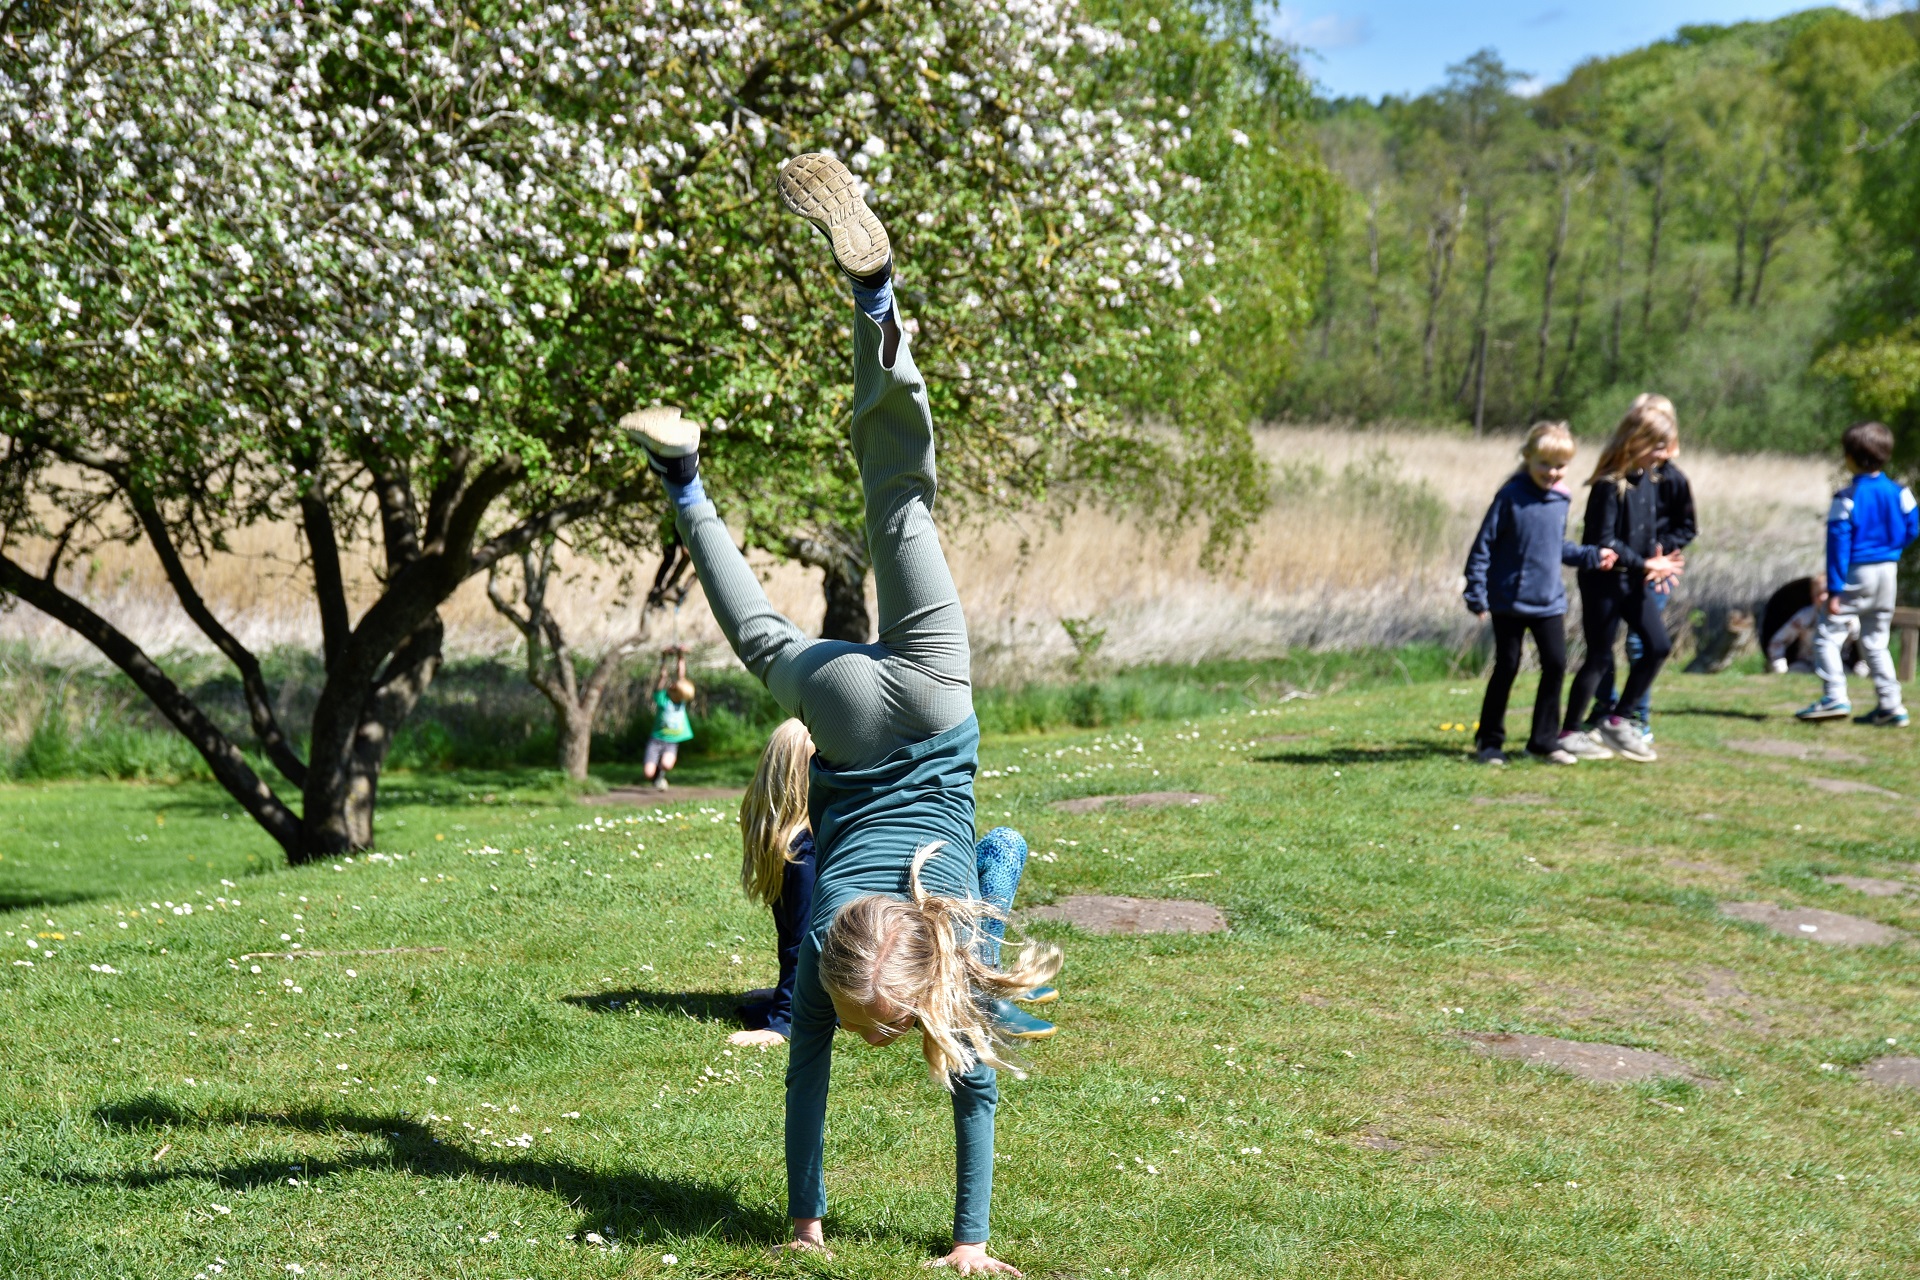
{"x":1514,"y":566}
{"x":792,"y":910}
{"x":869,"y":821}
{"x":1675,"y":524}
{"x":1623,"y":515}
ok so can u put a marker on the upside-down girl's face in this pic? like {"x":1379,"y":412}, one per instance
{"x":878,"y":1023}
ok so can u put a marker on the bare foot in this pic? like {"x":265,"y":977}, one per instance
{"x":757,"y":1039}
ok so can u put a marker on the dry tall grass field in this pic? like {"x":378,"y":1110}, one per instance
{"x":1363,"y":546}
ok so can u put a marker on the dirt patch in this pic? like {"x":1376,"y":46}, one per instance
{"x":1785,"y":749}
{"x":1521,"y":798}
{"x":1707,"y":870}
{"x":648,"y":798}
{"x":1871,"y":886}
{"x":1830,"y":927}
{"x":1600,"y":1063}
{"x":1144,"y":800}
{"x":1102,"y":913}
{"x":1899,"y":1072}
{"x":1318,"y":1002}
{"x":1376,"y":1139}
{"x":1721,"y":999}
{"x":1848,"y":787}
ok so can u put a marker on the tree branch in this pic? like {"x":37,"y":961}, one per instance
{"x":329,"y":584}
{"x":266,"y":725}
{"x":229,"y":765}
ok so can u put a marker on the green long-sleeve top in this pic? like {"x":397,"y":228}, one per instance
{"x":867,"y":823}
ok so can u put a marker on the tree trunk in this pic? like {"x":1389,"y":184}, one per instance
{"x":1656,"y":221}
{"x":841,"y":557}
{"x":1619,"y":281}
{"x":1554,"y":252}
{"x":1443,"y":232}
{"x":1373,"y":267}
{"x":1573,"y":326}
{"x":575,"y":725}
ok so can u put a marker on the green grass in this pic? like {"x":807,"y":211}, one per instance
{"x":1198,"y":1114}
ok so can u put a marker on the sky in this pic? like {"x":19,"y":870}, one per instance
{"x":1367,"y":48}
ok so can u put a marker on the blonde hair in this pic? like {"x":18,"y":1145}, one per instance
{"x":923,"y":956}
{"x":773,"y":811}
{"x":1549,"y":442}
{"x":681,"y":690}
{"x":1649,"y":423}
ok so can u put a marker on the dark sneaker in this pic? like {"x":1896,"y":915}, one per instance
{"x":1040,"y":995}
{"x":671,"y":441}
{"x":820,"y":189}
{"x":1015,"y":1023}
{"x":1624,"y":738}
{"x":1881,"y":718}
{"x":1825,"y":709}
{"x":1490,"y":755}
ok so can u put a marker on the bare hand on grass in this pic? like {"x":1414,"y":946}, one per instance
{"x":756,"y":1039}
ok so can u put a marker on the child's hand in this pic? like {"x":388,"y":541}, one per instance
{"x":1608,"y":558}
{"x":972,"y":1260}
{"x":1483,"y":615}
{"x":1834,"y":606}
{"x":757,"y":1039}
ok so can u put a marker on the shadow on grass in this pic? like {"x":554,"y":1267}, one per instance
{"x":1383,"y":754}
{"x":628,"y":1205}
{"x":701,"y":1006}
{"x":38,"y":899}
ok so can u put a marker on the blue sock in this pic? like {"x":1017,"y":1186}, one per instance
{"x":686,"y":495}
{"x":877,"y":302}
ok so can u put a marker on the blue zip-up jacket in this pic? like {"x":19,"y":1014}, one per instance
{"x":1514,"y":566}
{"x":1871,"y":522}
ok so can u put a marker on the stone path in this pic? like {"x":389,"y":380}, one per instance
{"x":1872,"y":887}
{"x":1830,"y":927}
{"x":1896,"y":1071}
{"x":1600,"y":1063}
{"x":648,"y":798}
{"x":1102,"y":913}
{"x":1786,"y":749}
{"x":1848,"y":787}
{"x":1144,"y":800}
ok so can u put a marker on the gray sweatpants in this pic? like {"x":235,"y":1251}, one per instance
{"x":860,"y":701}
{"x":1869,"y":597}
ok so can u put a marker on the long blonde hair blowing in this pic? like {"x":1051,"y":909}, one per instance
{"x":773,"y":811}
{"x":1650,"y":422}
{"x":923,"y":957}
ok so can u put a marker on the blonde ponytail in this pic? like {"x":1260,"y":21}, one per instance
{"x":773,"y":812}
{"x":924,"y":957}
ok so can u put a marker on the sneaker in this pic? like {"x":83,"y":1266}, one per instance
{"x":1040,"y":995}
{"x":1646,"y":731}
{"x":818,"y":188}
{"x":1555,"y":756}
{"x":1881,"y":718}
{"x":1015,"y":1023}
{"x":1624,"y":736}
{"x":1490,"y":755}
{"x":1584,"y":746}
{"x":1826,"y":709}
{"x":660,"y":782}
{"x":671,"y":441}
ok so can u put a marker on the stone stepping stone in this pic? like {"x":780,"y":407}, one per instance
{"x":1144,"y":800}
{"x":1830,"y":927}
{"x":1102,"y":913}
{"x":1871,"y":886}
{"x":1520,"y":797}
{"x":648,"y":798}
{"x":1848,"y":787}
{"x":1600,"y":1063}
{"x":1895,"y":1071}
{"x":1786,"y":749}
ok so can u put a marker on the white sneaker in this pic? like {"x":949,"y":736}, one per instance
{"x":1582,"y":746}
{"x":820,"y":189}
{"x":662,"y":432}
{"x":1624,"y":736}
{"x":1559,"y":756}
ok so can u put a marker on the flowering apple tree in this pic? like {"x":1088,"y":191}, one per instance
{"x":391,"y":269}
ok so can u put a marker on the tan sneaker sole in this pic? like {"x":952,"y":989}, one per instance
{"x":663,"y":432}
{"x":820,"y":189}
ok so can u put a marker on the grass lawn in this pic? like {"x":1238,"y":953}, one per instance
{"x":531,"y":1078}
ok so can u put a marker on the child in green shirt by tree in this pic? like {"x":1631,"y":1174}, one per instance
{"x":670,"y":725}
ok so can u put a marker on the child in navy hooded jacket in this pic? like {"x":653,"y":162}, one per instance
{"x":1513,"y":576}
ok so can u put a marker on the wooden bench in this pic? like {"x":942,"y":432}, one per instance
{"x":1906,"y":626}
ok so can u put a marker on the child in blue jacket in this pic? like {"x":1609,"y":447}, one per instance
{"x":1870,"y":523}
{"x":1513,"y":577}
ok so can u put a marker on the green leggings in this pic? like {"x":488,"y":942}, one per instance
{"x":860,"y":701}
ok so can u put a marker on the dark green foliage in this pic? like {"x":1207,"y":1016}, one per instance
{"x":1684,"y":218}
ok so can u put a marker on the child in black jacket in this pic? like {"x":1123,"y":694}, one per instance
{"x":1623,"y":514}
{"x":1513,"y":579}
{"x":1675,"y":527}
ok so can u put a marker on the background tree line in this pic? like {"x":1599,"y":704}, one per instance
{"x":1729,"y":217}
